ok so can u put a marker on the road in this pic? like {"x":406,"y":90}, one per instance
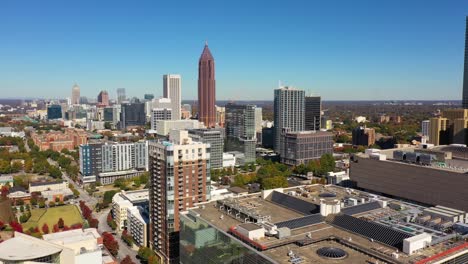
{"x":124,"y":250}
{"x":101,"y":216}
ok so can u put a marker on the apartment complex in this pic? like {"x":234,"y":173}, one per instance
{"x":240,"y":130}
{"x":110,"y":160}
{"x":363,"y":136}
{"x":289,"y":106}
{"x":450,"y":127}
{"x":214,"y":137}
{"x":127,"y":199}
{"x":179,"y":178}
{"x":313,"y":108}
{"x":58,"y":140}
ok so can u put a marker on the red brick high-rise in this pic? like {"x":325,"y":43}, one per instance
{"x":206,"y":88}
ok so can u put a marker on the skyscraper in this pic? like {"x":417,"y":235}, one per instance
{"x":75,"y":99}
{"x":103,"y":98}
{"x":288,"y":112}
{"x":179,"y":178}
{"x":465,"y":73}
{"x":121,"y":95}
{"x":240,"y":130}
{"x":172,"y":89}
{"x":206,"y":88}
{"x":132,"y":115}
{"x":313,"y":106}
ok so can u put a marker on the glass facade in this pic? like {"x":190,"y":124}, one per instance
{"x":202,"y":243}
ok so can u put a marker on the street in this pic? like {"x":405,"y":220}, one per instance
{"x":101,"y":216}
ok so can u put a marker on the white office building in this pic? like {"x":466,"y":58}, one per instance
{"x":172,"y":84}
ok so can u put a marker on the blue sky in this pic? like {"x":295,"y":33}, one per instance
{"x":340,"y":49}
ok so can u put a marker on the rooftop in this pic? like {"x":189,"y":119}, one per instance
{"x":360,"y":230}
{"x":23,"y":247}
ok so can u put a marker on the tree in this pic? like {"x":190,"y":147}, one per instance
{"x":51,"y":204}
{"x":56,"y":229}
{"x":127,"y":260}
{"x":2,"y":225}
{"x":108,"y":195}
{"x":110,"y":243}
{"x":55,"y":172}
{"x":45,"y":228}
{"x":61,"y":223}
{"x":16,"y":166}
{"x":17,"y":227}
{"x":93,"y":223}
{"x":327,"y":163}
{"x":274,"y":182}
{"x":144,"y":253}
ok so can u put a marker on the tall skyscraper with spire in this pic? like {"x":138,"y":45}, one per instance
{"x":465,"y":72}
{"x":75,"y":99}
{"x":206,"y":88}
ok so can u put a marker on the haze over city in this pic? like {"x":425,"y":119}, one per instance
{"x":342,"y":50}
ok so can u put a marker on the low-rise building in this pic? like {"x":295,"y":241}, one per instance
{"x":51,"y":190}
{"x":302,"y":147}
{"x":124,"y":200}
{"x":6,"y":180}
{"x":138,"y":224}
{"x":57,"y":140}
{"x":71,"y":247}
{"x":163,"y":127}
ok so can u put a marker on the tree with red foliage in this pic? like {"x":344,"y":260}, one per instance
{"x":127,"y":260}
{"x":66,"y":228}
{"x":60,"y":223}
{"x":77,"y":226}
{"x":110,"y":243}
{"x":56,"y":229}
{"x":5,"y":191}
{"x":45,"y":228}
{"x":17,"y":227}
{"x":2,"y":225}
{"x":93,"y":223}
{"x":36,"y":230}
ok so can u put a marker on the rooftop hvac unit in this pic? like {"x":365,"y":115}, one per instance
{"x":398,"y":155}
{"x":425,"y":159}
{"x":412,"y":157}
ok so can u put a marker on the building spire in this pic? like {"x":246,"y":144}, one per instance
{"x":206,"y":42}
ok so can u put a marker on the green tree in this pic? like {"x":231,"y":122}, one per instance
{"x":55,"y":172}
{"x":274,"y":182}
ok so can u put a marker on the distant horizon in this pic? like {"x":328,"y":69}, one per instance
{"x":350,"y":50}
{"x":264,"y":100}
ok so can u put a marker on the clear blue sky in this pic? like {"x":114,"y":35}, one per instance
{"x":401,"y":49}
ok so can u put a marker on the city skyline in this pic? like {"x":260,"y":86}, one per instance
{"x":332,"y":52}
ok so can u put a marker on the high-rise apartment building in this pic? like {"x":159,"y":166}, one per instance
{"x":172,"y":89}
{"x":160,"y":114}
{"x":288,"y":112}
{"x":465,"y":72}
{"x":220,"y":116}
{"x":214,"y":137}
{"x":103,"y":98}
{"x":451,"y":127}
{"x":363,"y":136}
{"x":206,"y":88}
{"x":313,"y":107}
{"x":121,"y":97}
{"x":179,"y":178}
{"x":132,"y":115}
{"x":425,"y":128}
{"x":75,"y":98}
{"x":258,"y":119}
{"x":240,"y":130}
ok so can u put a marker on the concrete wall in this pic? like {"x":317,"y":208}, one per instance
{"x":412,"y":182}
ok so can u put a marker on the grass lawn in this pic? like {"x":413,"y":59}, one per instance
{"x":69,"y":213}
